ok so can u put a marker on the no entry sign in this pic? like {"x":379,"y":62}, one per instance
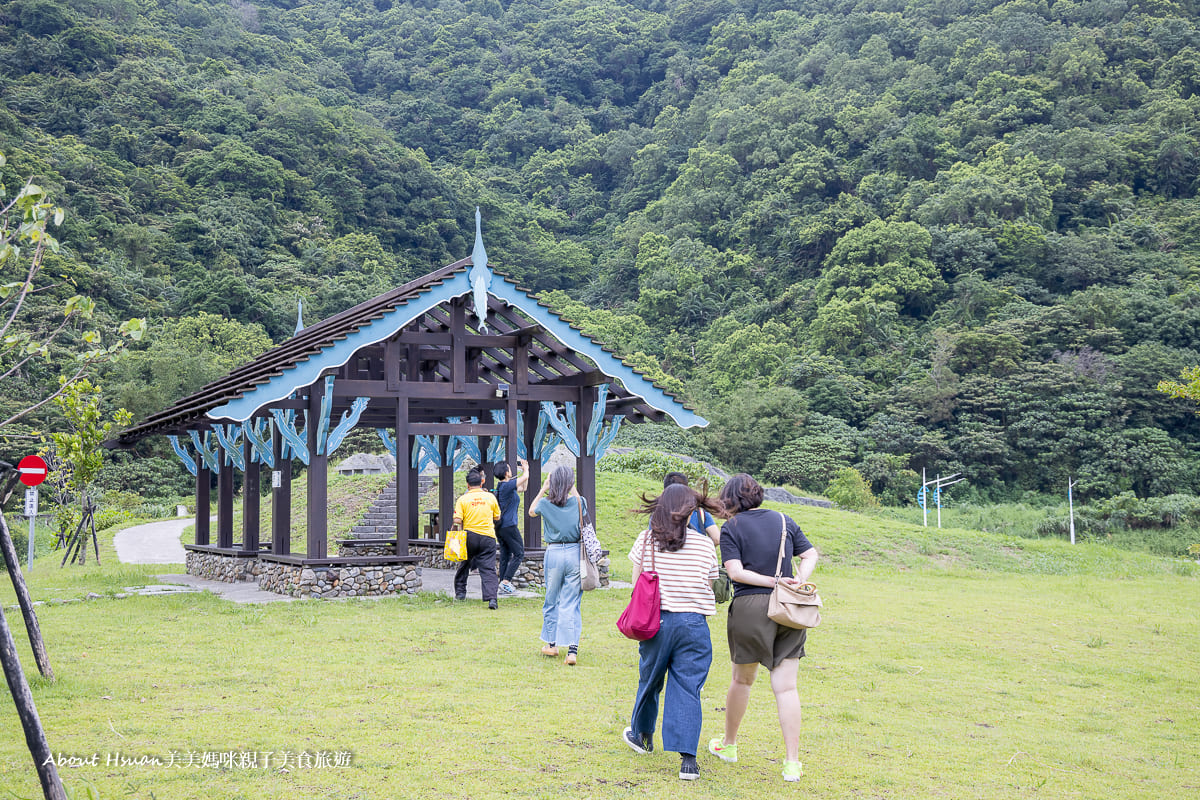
{"x":32,"y":469}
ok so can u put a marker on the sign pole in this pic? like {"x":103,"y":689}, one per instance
{"x":31,"y":511}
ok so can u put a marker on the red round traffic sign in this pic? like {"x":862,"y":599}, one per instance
{"x":32,"y":469}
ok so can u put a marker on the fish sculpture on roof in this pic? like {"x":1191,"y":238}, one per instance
{"x":480,"y":275}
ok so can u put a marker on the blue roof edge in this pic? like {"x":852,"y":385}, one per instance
{"x":335,"y":355}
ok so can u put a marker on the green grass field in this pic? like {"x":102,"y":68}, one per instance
{"x":951,"y":664}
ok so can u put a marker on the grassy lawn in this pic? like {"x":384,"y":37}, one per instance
{"x":950,"y":664}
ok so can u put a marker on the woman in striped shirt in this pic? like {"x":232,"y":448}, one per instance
{"x":686,"y":563}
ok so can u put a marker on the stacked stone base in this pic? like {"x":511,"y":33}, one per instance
{"x":366,"y":547}
{"x":340,"y":581}
{"x":217,"y":567}
{"x":301,"y":581}
{"x":530,"y":574}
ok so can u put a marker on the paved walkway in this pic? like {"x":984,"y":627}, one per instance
{"x":152,"y":543}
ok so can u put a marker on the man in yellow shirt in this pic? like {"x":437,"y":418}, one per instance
{"x":476,"y":512}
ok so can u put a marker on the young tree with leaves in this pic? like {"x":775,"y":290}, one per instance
{"x":80,"y":454}
{"x":24,"y":336}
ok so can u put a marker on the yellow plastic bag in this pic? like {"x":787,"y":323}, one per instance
{"x":456,"y":546}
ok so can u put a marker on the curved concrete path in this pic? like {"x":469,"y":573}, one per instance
{"x":152,"y":543}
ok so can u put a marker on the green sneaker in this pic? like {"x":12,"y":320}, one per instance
{"x":725,"y":752}
{"x":792,"y":771}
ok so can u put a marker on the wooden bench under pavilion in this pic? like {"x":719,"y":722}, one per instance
{"x":460,"y":365}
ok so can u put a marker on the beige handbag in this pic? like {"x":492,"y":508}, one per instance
{"x":793,"y":607}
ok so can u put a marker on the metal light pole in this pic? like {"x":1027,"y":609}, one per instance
{"x":938,"y":484}
{"x":924,"y":498}
{"x":937,"y":498}
{"x":1071,"y":505}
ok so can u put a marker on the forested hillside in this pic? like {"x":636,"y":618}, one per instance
{"x":938,"y":233}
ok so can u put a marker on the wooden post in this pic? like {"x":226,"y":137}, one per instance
{"x":512,"y":434}
{"x":281,"y":500}
{"x":585,"y":464}
{"x":224,"y":500}
{"x":11,"y":558}
{"x":533,"y":525}
{"x":35,"y":735}
{"x":414,"y":493}
{"x":405,"y":499}
{"x":485,"y":443}
{"x":203,"y":501}
{"x":318,"y":479}
{"x":458,"y":346}
{"x":445,"y":488}
{"x":250,"y":498}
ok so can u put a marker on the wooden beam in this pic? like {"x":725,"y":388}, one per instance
{"x":437,"y":339}
{"x":593,"y":377}
{"x":455,"y":429}
{"x":441,"y":390}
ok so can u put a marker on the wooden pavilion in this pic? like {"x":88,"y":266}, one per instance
{"x":459,"y":364}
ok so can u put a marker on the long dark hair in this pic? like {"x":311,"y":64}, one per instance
{"x":740,"y":493}
{"x":669,"y":514}
{"x":561,"y":482}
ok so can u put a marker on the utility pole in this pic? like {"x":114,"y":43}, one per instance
{"x":938,"y":484}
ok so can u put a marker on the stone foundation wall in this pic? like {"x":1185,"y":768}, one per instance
{"x":361,"y":547}
{"x":217,"y":567}
{"x":334,"y":581}
{"x":529,"y":574}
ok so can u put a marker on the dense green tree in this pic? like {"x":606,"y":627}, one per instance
{"x":903,"y":212}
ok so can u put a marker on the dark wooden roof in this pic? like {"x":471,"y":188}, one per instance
{"x":552,"y":361}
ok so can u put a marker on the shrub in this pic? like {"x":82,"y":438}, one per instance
{"x":751,"y":425}
{"x":656,"y":465}
{"x":890,"y":478}
{"x":1164,"y":525}
{"x":850,"y":490}
{"x":663,"y":436}
{"x":810,"y":462}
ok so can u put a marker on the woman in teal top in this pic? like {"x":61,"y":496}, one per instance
{"x":559,"y":506}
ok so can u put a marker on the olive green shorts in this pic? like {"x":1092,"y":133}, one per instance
{"x":754,"y":637}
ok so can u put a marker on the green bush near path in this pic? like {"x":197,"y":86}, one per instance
{"x":950,"y":663}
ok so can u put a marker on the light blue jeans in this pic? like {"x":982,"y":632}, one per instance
{"x":562,"y":620}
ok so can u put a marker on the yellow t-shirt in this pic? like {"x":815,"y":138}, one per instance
{"x":478,"y":511}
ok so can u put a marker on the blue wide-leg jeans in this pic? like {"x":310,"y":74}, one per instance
{"x":562,"y":617}
{"x":681,"y":653}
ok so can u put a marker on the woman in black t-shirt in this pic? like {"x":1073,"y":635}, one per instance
{"x":750,"y":551}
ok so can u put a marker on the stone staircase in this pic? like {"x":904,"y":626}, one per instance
{"x":379,"y":521}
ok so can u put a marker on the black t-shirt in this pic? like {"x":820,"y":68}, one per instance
{"x":752,"y":537}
